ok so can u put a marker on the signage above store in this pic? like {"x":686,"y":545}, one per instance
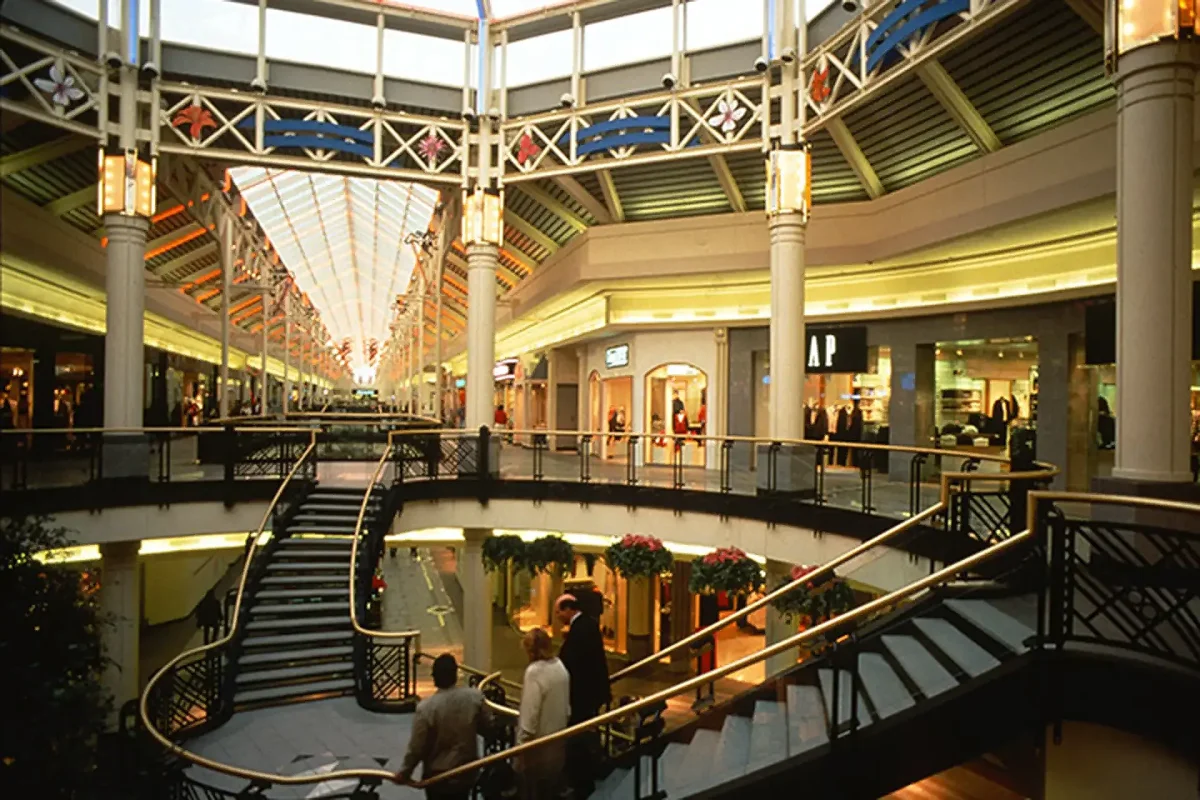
{"x":1100,"y":330}
{"x":505,"y":370}
{"x":830,"y":350}
{"x":618,"y":356}
{"x":460,"y":383}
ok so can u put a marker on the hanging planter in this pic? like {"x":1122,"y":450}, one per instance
{"x":814,"y":603}
{"x":726,"y":570}
{"x":547,"y":552}
{"x":639,"y":557}
{"x":500,"y":551}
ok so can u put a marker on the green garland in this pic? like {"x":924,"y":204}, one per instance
{"x":639,"y":557}
{"x":547,"y":551}
{"x":726,"y":570}
{"x":500,"y":551}
{"x":815,"y":604}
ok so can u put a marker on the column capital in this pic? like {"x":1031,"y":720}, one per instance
{"x":1171,"y":54}
{"x":126,"y":227}
{"x":787,"y":229}
{"x":482,"y":254}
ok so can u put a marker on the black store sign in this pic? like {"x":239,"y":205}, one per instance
{"x":1100,"y":329}
{"x":829,"y":350}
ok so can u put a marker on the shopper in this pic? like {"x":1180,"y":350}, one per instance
{"x":208,"y":616}
{"x":582,"y":653}
{"x":445,"y":733}
{"x":545,"y":706}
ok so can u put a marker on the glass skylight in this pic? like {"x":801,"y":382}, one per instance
{"x":343,"y":239}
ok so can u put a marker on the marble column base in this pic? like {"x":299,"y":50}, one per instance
{"x":794,"y":472}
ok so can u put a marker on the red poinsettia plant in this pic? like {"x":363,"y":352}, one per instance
{"x":727,"y":569}
{"x":815,"y":601}
{"x":637,"y":556}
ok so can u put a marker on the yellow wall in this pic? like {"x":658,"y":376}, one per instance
{"x":173,"y":583}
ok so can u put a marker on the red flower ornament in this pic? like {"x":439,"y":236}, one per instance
{"x":528,"y":150}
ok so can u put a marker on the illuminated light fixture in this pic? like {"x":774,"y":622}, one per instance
{"x":483,"y":217}
{"x":789,"y":181}
{"x":1130,"y":24}
{"x":126,"y":185}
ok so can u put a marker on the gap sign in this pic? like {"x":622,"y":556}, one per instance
{"x":830,"y":350}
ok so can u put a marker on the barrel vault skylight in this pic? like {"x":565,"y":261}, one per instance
{"x":343,"y":240}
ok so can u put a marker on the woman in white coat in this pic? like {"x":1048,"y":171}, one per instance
{"x":545,"y":707}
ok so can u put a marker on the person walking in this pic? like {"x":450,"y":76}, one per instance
{"x":209,"y":616}
{"x":445,"y":733}
{"x":582,"y":653}
{"x":545,"y":709}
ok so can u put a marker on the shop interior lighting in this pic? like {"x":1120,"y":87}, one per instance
{"x":483,"y":217}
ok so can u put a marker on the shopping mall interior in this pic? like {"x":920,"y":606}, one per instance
{"x":780,"y":338}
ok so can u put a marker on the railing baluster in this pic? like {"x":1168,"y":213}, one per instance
{"x":585,"y":461}
{"x":631,"y":477}
{"x":726,"y":476}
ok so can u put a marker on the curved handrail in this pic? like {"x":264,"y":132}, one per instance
{"x":237,"y":607}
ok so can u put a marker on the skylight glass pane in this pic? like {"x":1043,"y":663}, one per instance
{"x":625,"y":40}
{"x":343,"y":239}
{"x":711,"y":23}
{"x":539,"y":58}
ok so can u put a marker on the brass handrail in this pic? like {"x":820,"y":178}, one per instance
{"x":199,"y":429}
{"x":237,"y":607}
{"x":1105,"y":499}
{"x":478,"y":673}
{"x":789,"y":643}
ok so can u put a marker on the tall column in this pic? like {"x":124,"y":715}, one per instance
{"x":482,"y":259}
{"x":287,"y":349}
{"x":1154,"y":253}
{"x":265,"y":385}
{"x":119,"y":602}
{"x":552,"y":379}
{"x":787,"y":234}
{"x":125,"y":304}
{"x":777,"y":627}
{"x":477,"y":602}
{"x":226,"y":245}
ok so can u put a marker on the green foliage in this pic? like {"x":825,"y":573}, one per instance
{"x":499,"y":551}
{"x":726,"y":570}
{"x":54,"y":706}
{"x":542,"y":553}
{"x":811,"y":604}
{"x":639,"y":557}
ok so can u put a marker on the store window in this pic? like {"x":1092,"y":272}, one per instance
{"x":985,"y":390}
{"x":16,"y":388}
{"x":676,"y":403}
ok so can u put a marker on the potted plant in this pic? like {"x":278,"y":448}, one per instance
{"x":816,"y":601}
{"x":545,"y":551}
{"x":727,"y":569}
{"x":635,"y":556}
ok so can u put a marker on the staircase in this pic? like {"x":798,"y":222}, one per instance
{"x":951,"y":646}
{"x":297,"y":642}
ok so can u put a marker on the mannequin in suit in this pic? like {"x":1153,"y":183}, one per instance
{"x":582,"y":653}
{"x":854,"y":432}
{"x":842,"y":434}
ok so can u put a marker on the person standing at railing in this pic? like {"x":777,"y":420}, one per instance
{"x":582,"y":653}
{"x":208,"y":616}
{"x":545,"y":709}
{"x":445,"y":733}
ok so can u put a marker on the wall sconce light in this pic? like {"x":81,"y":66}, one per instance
{"x":1130,"y":24}
{"x":483,"y":217}
{"x":789,"y":181}
{"x":127,"y":184}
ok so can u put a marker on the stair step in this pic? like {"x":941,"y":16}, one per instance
{"x":309,"y":566}
{"x":671,"y":764}
{"x":301,"y":594}
{"x":620,"y":784}
{"x":341,"y":685}
{"x":347,"y":529}
{"x":920,"y":665}
{"x":845,"y":699}
{"x":325,"y":497}
{"x":970,"y":657}
{"x":994,"y":622}
{"x":351,"y":517}
{"x":807,"y":726}
{"x":278,"y":656}
{"x":315,"y":554}
{"x":304,"y":622}
{"x":298,"y":608}
{"x":733,"y":751}
{"x":303,"y":638}
{"x":888,"y":693}
{"x":697,"y":763}
{"x":332,"y":542}
{"x":290,"y":673}
{"x":768,"y":736}
{"x":306,"y":507}
{"x":275,"y":580}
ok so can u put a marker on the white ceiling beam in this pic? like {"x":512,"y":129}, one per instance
{"x":855,"y":157}
{"x":553,"y":205}
{"x":942,"y":86}
{"x":539,"y":238}
{"x":42,"y":153}
{"x":611,"y":198}
{"x":733,"y":192}
{"x":585,"y":198}
{"x":72,"y":201}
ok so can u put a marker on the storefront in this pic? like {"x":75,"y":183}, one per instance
{"x":985,"y":390}
{"x":654,"y":383}
{"x":504,"y":375}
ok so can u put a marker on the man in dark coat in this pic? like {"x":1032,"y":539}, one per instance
{"x":582,"y":653}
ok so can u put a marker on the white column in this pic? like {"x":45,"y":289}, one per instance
{"x":552,"y":379}
{"x":287,"y":350}
{"x":1154,"y":258}
{"x":777,"y":627}
{"x":421,"y":351}
{"x":787,"y":234}
{"x":264,"y":387}
{"x":119,"y":603}
{"x":226,"y":245}
{"x":477,"y":601}
{"x":481,"y":332}
{"x":125,"y":303}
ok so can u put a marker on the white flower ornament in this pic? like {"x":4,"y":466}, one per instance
{"x":61,"y":87}
{"x":727,"y":116}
